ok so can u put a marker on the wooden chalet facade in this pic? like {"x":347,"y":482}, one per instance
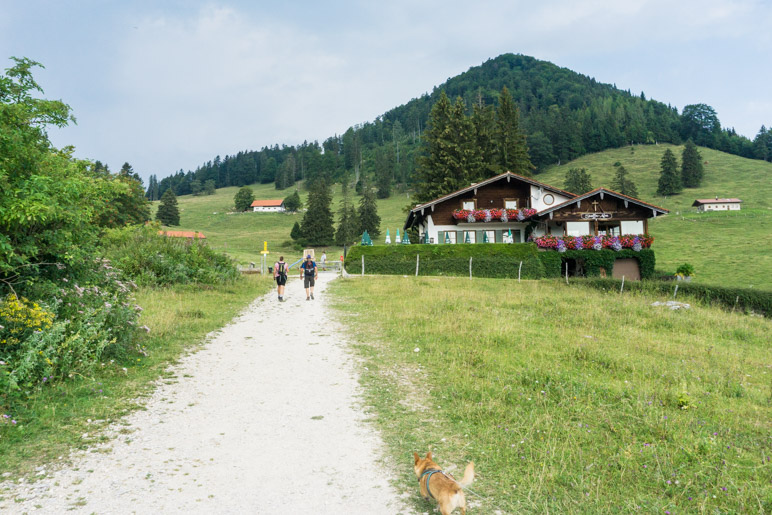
{"x":492,"y":209}
{"x":600,"y":212}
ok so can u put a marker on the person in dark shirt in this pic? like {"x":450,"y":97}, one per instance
{"x":309,"y":274}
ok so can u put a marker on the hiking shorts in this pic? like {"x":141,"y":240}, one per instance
{"x":281,"y":280}
{"x":308,"y":281}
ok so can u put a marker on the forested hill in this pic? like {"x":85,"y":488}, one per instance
{"x":564,"y":115}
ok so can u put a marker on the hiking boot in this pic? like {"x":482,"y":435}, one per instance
{"x":308,"y":298}
{"x":312,"y":295}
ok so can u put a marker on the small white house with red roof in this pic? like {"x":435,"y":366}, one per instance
{"x":717,"y":204}
{"x":268,"y":206}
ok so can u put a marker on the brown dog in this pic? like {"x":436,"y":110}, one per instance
{"x":436,"y":484}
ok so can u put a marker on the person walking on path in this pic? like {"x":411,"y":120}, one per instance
{"x":324,"y":260}
{"x":309,"y":275}
{"x":280,"y":276}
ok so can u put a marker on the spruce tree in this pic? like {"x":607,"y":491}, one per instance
{"x":510,"y":141}
{"x":168,"y":213}
{"x":449,"y":151}
{"x":368,"y":213}
{"x":670,"y":181}
{"x":348,"y":223}
{"x":484,"y":123}
{"x":317,"y":227}
{"x":578,"y":181}
{"x":623,"y":184}
{"x":295,"y":233}
{"x":691,"y":166}
{"x":243,"y":198}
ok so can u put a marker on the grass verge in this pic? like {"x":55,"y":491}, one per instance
{"x":569,"y":400}
{"x":60,"y":416}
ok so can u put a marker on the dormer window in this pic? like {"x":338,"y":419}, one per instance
{"x":510,"y":203}
{"x":468,"y":204}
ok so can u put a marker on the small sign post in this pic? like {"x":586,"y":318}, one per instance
{"x":264,"y":262}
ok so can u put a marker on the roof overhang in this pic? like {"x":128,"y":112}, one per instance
{"x":602,"y":192}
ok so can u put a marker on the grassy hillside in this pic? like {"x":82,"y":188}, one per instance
{"x":617,"y":407}
{"x":241,"y":235}
{"x":730,"y":249}
{"x":725,"y":248}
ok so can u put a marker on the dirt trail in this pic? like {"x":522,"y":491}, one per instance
{"x":263,"y":419}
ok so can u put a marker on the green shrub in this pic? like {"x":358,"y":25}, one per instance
{"x":685,"y":270}
{"x":594,"y":260}
{"x":154,"y":260}
{"x":742,"y":299}
{"x":488,"y":260}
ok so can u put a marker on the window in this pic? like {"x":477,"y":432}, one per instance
{"x":548,"y":199}
{"x":450,"y":237}
{"x":609,"y":229}
{"x":510,"y":203}
{"x":471,"y":235}
{"x":490,"y":235}
{"x":577,"y":228}
{"x":468,"y":204}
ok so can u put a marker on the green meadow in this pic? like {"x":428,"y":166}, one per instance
{"x":567,"y":400}
{"x":729,"y":249}
{"x":726,"y":248}
{"x":241,"y":235}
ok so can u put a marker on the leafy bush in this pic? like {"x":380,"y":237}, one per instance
{"x":743,"y":299}
{"x":594,"y":260}
{"x":81,"y":316}
{"x":488,"y":260}
{"x":154,"y":260}
{"x":685,"y":270}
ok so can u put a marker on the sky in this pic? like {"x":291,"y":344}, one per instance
{"x":168,"y":85}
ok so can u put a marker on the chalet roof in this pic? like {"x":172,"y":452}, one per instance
{"x":267,"y":203}
{"x":505,"y":175}
{"x":716,"y":200}
{"x":601,"y":191}
{"x":183,"y":234}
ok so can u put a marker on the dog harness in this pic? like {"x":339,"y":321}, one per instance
{"x":429,"y":473}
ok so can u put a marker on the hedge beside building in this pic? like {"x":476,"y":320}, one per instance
{"x":594,"y":260}
{"x":741,"y":299}
{"x":488,"y":260}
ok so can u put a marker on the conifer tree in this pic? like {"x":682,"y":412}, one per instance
{"x":295,"y":233}
{"x":348,"y":223}
{"x":510,"y":141}
{"x":484,"y":123}
{"x":450,"y":151}
{"x":670,"y":181}
{"x":578,"y":181}
{"x":691,"y":165}
{"x":368,"y":213}
{"x":623,"y":184}
{"x":168,"y":213}
{"x":317,"y":227}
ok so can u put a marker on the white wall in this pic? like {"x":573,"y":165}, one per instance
{"x":537,"y":198}
{"x":577,"y":228}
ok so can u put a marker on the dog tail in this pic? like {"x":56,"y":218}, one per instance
{"x":468,"y":475}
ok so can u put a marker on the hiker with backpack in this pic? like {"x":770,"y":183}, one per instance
{"x":309,"y":275}
{"x":280,"y":276}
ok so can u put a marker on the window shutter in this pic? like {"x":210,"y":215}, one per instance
{"x":440,"y":237}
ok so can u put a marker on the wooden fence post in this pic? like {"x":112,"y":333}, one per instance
{"x":518,"y":271}
{"x":470,"y":268}
{"x":566,"y":272}
{"x":675,"y":291}
{"x":416,"y":264}
{"x":363,"y":265}
{"x":622,"y":288}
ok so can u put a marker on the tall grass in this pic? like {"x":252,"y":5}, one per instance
{"x":568,"y":400}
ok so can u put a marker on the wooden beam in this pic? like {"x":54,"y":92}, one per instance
{"x":625,"y":202}
{"x":601,"y":195}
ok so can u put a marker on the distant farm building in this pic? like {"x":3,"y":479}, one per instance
{"x":717,"y":204}
{"x":268,"y":206}
{"x":193,"y":235}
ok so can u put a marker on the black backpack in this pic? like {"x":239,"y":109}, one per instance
{"x":282,"y":271}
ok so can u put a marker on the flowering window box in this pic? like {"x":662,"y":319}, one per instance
{"x":493,"y":215}
{"x":635,"y":242}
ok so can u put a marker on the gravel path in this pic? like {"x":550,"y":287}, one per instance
{"x":263,"y":419}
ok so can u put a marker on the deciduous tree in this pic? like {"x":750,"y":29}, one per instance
{"x":243,"y":198}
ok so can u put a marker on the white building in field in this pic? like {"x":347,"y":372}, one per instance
{"x":717,"y":204}
{"x":268,"y":206}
